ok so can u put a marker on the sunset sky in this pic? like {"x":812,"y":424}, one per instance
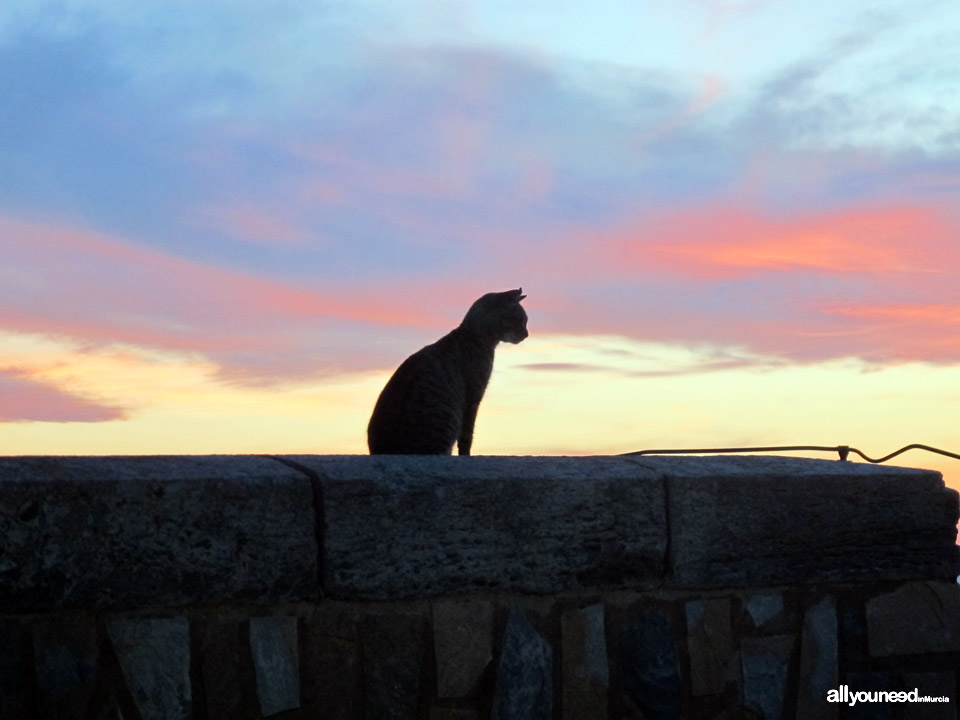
{"x":223,"y":224}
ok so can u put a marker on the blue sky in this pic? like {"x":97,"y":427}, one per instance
{"x":294,"y":196}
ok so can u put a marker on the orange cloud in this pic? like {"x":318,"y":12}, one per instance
{"x":722,"y":242}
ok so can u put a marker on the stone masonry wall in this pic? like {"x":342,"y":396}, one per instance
{"x":463,"y":588}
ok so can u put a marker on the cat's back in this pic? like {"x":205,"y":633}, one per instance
{"x":420,"y":408}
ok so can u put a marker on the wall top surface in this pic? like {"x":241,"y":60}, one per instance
{"x":116,"y":532}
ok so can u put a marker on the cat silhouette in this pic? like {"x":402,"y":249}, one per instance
{"x":431,"y":401}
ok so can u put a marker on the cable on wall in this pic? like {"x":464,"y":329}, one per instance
{"x":843,"y":451}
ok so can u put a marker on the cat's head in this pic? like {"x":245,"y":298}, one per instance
{"x":499,"y":315}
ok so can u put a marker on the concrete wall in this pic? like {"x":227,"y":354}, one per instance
{"x":455,"y":588}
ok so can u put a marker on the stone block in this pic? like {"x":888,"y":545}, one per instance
{"x":818,"y":662}
{"x":65,"y":656}
{"x":393,"y":649}
{"x":463,"y":645}
{"x":423,"y":526}
{"x":764,"y":609}
{"x":123,"y":532}
{"x":524,"y":689}
{"x":746,"y":521}
{"x":919,"y":617}
{"x":276,"y":666}
{"x":765,"y":663}
{"x":332,"y":676}
{"x":710,"y":644}
{"x":220,"y":652}
{"x":586,"y":671}
{"x":852,"y":631}
{"x":335,"y":690}
{"x":934,"y":685}
{"x":154,"y":655}
{"x":651,"y":672}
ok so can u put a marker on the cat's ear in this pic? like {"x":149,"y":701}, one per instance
{"x":518,"y":293}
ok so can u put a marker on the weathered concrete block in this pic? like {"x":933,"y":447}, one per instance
{"x":119,"y":532}
{"x":818,"y":662}
{"x":651,"y":672}
{"x":765,"y":663}
{"x":432,"y":525}
{"x":525,"y":677}
{"x":740,"y":521}
{"x":586,"y":671}
{"x":710,"y":644}
{"x":463,"y":645}
{"x":65,"y":657}
{"x":273,"y":644}
{"x":920,"y":617}
{"x":154,"y":656}
{"x":393,"y":649}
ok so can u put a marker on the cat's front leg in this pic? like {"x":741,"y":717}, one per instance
{"x":465,"y":441}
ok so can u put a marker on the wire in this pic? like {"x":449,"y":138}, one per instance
{"x":843,"y":450}
{"x":914,"y":446}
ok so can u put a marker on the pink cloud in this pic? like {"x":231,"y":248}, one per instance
{"x":908,"y":331}
{"x":88,"y":269}
{"x":27,"y":400}
{"x":872,"y":281}
{"x":942,"y":315}
{"x":668,"y":276}
{"x":792,"y":286}
{"x":71,"y":283}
